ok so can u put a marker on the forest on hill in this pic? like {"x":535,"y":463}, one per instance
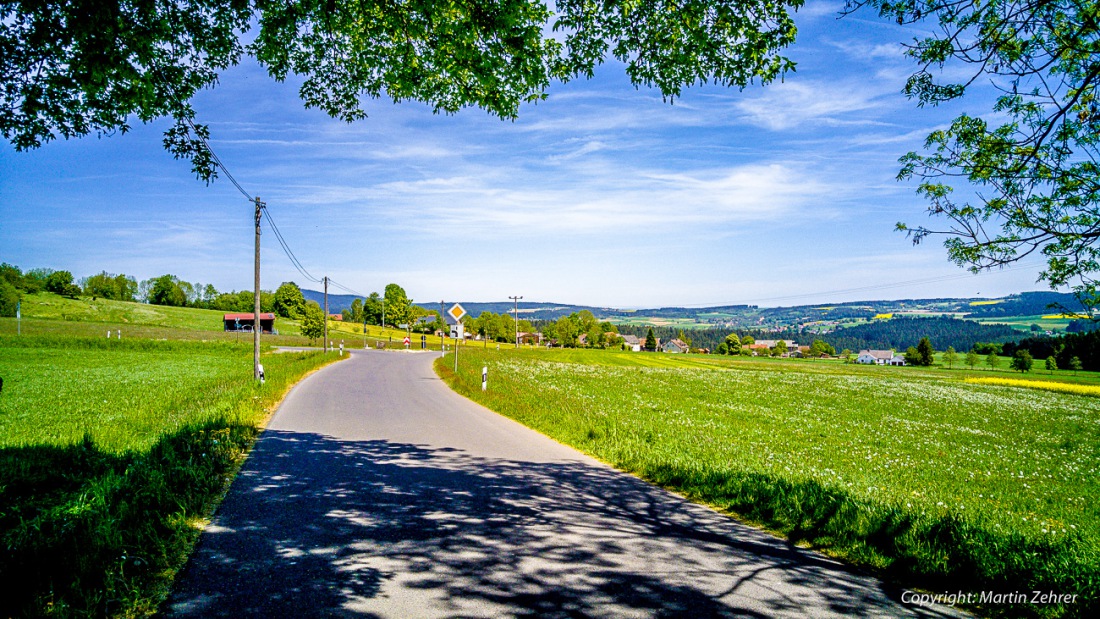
{"x":897,"y":334}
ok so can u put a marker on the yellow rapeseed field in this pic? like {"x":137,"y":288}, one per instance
{"x":1039,"y":384}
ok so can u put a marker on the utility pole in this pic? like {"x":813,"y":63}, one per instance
{"x":516,"y":299}
{"x":326,"y":313}
{"x":257,"y":325}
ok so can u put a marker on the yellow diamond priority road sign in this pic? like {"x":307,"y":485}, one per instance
{"x":456,"y":313}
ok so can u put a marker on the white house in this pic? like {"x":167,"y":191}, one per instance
{"x":632,"y":342}
{"x":676,"y":346}
{"x":880,"y":357}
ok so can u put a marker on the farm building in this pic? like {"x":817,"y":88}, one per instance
{"x":764,"y":347}
{"x":246,"y":321}
{"x":632,"y":342}
{"x":676,"y":346}
{"x":880,"y":357}
{"x":530,"y":338}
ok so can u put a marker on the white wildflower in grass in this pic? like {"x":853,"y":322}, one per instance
{"x":999,"y":451}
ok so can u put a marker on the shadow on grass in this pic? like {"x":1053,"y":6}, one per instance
{"x":316,"y":526}
{"x":84,"y":532}
{"x":945,"y":553}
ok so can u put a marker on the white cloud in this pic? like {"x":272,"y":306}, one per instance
{"x":792,"y":104}
{"x":820,"y":8}
{"x":864,"y":51}
{"x":590,"y":200}
{"x":588,"y":147}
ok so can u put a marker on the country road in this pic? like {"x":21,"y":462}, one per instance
{"x":377,"y":492}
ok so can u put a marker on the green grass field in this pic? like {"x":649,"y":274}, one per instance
{"x":1023,"y":323}
{"x":111,"y":454}
{"x":932,"y":481}
{"x":47,"y":313}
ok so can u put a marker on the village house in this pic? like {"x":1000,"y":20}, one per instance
{"x":880,"y":357}
{"x":632,"y":342}
{"x":763,"y":347}
{"x":530,"y":338}
{"x":676,"y":346}
{"x":799,"y":352}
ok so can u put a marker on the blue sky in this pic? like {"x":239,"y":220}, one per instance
{"x":601,"y":195}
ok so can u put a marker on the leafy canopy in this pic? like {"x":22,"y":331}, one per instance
{"x":1026,"y":169}
{"x":90,"y":66}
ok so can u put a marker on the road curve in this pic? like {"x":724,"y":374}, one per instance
{"x":377,"y":492}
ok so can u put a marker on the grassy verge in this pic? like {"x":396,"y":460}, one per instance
{"x":928,"y":480}
{"x":111,"y":454}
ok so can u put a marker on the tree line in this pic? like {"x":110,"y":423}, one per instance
{"x":167,"y":289}
{"x":568,"y":330}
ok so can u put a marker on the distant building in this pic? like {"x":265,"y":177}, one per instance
{"x":632,"y":343}
{"x":530,"y":338}
{"x":335,"y":316}
{"x":246,"y":322}
{"x":676,"y":346}
{"x":799,"y":352}
{"x":879,"y":357}
{"x":764,"y":347}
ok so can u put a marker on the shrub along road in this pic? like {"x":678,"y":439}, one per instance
{"x":377,"y":491}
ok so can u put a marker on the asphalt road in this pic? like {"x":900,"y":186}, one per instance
{"x":378,"y":492}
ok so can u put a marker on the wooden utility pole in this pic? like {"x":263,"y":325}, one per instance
{"x":326,"y":313}
{"x":257,"y":325}
{"x":516,"y":299}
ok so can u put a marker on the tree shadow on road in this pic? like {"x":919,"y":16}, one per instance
{"x":316,"y":526}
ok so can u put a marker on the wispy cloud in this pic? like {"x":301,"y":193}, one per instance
{"x":587,"y":147}
{"x":594,"y":200}
{"x":864,"y":51}
{"x":821,"y":8}
{"x":794,"y":104}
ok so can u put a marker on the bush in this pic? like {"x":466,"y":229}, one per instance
{"x":9,"y":299}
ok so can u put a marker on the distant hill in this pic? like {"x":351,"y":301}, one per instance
{"x":900,"y":333}
{"x":1027,"y":304}
{"x":531,"y":311}
{"x":897,"y":334}
{"x":820,"y":316}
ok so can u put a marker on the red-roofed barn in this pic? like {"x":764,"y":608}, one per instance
{"x":246,"y":322}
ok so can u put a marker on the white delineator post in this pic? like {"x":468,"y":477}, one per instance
{"x":484,"y":378}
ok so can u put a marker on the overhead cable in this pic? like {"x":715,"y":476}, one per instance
{"x":286,"y":249}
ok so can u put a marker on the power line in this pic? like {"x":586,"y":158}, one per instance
{"x":198,"y":134}
{"x":346,"y":289}
{"x":220,"y":164}
{"x":286,"y":249}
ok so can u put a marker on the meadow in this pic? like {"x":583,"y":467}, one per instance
{"x":112,"y":452}
{"x":929,"y":480}
{"x":1046,"y":322}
